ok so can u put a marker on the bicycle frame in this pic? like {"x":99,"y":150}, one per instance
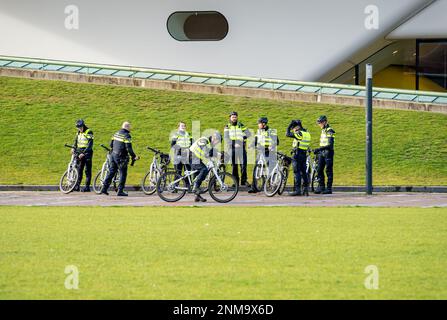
{"x":262,"y":162}
{"x":189,"y":173}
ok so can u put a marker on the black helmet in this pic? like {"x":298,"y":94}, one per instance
{"x":321,"y":119}
{"x":217,"y":136}
{"x":80,"y":123}
{"x":234,"y":113}
{"x":298,"y":123}
{"x":263,"y":120}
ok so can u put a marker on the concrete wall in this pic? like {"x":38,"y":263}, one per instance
{"x":218,"y":89}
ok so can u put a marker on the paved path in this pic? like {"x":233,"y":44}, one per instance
{"x":386,"y":199}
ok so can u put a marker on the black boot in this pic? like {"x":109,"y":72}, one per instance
{"x":121,"y":193}
{"x":306,"y":191}
{"x":199,"y":198}
{"x":295,"y":192}
{"x":319,"y":190}
{"x":327,"y":191}
{"x":104,"y":191}
{"x":86,"y":189}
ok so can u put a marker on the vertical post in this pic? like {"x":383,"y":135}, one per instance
{"x":368,"y":105}
{"x":357,"y":74}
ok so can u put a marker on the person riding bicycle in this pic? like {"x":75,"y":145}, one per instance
{"x":121,"y":145}
{"x":235,"y":136}
{"x":83,"y":145}
{"x":301,"y":142}
{"x":265,"y":142}
{"x":180,"y":143}
{"x":202,"y":151}
{"x":325,"y":156}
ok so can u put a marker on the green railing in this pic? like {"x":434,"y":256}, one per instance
{"x":223,"y":80}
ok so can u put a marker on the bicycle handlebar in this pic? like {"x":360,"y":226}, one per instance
{"x":69,"y":146}
{"x":105,"y":147}
{"x":157,"y":151}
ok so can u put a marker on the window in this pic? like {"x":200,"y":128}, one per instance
{"x":197,"y":26}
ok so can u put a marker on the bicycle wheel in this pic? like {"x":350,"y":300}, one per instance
{"x":258,"y":178}
{"x":68,"y":181}
{"x":314,"y":180}
{"x":97,"y":183}
{"x":225,"y":190}
{"x":169,"y":191}
{"x":285,"y":174}
{"x":149,"y":182}
{"x":273,"y":183}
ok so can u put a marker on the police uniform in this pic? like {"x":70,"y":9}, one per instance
{"x":300,"y":145}
{"x":84,"y":144}
{"x":237,"y":134}
{"x":200,"y":154}
{"x":121,"y":145}
{"x":326,"y":157}
{"x":181,"y":142}
{"x":266,"y":139}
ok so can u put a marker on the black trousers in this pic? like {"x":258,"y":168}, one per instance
{"x":239,"y":157}
{"x":299,"y":170}
{"x":326,"y":161}
{"x":201,"y":175}
{"x":85,"y":164}
{"x":116,"y":164}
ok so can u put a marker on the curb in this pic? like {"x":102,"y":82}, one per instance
{"x":426,"y":189}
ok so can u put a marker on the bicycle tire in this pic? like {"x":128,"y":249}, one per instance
{"x":161,"y":184}
{"x":212,"y":190}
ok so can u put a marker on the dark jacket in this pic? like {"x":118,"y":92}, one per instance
{"x":121,"y":144}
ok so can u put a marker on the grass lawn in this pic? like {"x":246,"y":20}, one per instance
{"x":38,"y":116}
{"x":223,"y":253}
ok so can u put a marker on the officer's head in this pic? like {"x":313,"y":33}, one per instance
{"x":80,"y":124}
{"x":322,"y":121}
{"x":262,"y":122}
{"x":297,"y":125}
{"x":233,"y":117}
{"x":126,"y":125}
{"x":215,"y":138}
{"x":181,"y":126}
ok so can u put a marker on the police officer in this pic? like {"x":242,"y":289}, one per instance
{"x":180,"y":143}
{"x":121,"y":146}
{"x":325,"y":156}
{"x":265,"y":143}
{"x":235,"y":136}
{"x":83,"y":144}
{"x":301,"y":142}
{"x":202,"y":151}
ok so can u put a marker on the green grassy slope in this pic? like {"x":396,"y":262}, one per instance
{"x":37,"y":118}
{"x":223,"y":253}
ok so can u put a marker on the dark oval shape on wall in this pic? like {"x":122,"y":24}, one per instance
{"x":197,"y":26}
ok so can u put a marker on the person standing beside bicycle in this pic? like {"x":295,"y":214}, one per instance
{"x":265,"y":143}
{"x":235,"y":136}
{"x":325,"y":156}
{"x":202,"y":151}
{"x":121,"y":145}
{"x":301,"y":142}
{"x":180,"y":143}
{"x":83,"y":144}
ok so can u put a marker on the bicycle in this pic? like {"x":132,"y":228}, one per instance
{"x":171,"y":186}
{"x":70,"y":177}
{"x":278,"y":176}
{"x":102,"y":174}
{"x":220,"y":164}
{"x":285,"y":163}
{"x":260,"y":173}
{"x":159,"y":165}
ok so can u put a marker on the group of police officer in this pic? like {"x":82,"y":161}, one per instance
{"x":196,"y":155}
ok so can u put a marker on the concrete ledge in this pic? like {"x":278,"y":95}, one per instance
{"x":221,"y":89}
{"x":425,"y":189}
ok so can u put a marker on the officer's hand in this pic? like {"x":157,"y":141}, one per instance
{"x":210,"y":164}
{"x":137,"y":158}
{"x":237,"y":145}
{"x":316,"y":151}
{"x":81,"y":156}
{"x":72,"y":151}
